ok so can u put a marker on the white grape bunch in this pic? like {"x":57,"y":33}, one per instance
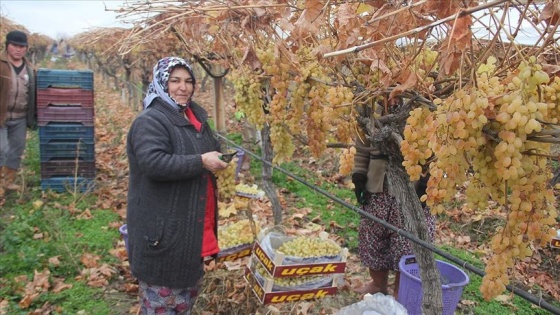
{"x":234,"y":234}
{"x":306,"y":247}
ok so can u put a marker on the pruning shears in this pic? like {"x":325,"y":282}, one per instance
{"x":228,"y":157}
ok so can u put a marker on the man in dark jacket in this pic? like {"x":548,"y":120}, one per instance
{"x":17,"y":106}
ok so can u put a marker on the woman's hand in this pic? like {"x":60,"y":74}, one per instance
{"x":211,"y":161}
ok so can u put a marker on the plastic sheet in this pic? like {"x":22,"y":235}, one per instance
{"x":377,"y":304}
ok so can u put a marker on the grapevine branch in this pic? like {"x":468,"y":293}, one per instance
{"x":415,"y":30}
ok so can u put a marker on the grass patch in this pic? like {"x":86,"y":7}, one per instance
{"x":46,"y":232}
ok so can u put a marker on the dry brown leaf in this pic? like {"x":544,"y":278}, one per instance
{"x":89,"y":260}
{"x":550,"y":13}
{"x":409,"y":79}
{"x":131,"y":288}
{"x":27,"y":300}
{"x":468,"y":302}
{"x":98,"y":282}
{"x":297,"y":215}
{"x":54,"y":261}
{"x":503,"y":298}
{"x":40,"y":282}
{"x":463,"y":239}
{"x":461,"y":35}
{"x":313,"y":227}
{"x":303,"y":308}
{"x":4,"y":307}
{"x":551,"y":69}
{"x":273,"y":310}
{"x":115,"y":225}
{"x":60,"y":286}
{"x":120,"y":252}
{"x":226,"y":212}
{"x":86,"y":215}
{"x":449,"y":61}
{"x":106,"y":270}
{"x":37,"y":236}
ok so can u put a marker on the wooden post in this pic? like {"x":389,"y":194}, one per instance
{"x":219,"y":107}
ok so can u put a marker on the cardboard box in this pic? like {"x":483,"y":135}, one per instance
{"x":277,"y":270}
{"x":265,"y":295}
{"x":235,"y":253}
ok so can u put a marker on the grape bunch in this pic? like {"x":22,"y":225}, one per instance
{"x":346,"y":162}
{"x":248,"y":95}
{"x":307,"y":247}
{"x":226,"y":180}
{"x":486,"y":137}
{"x":235,"y":234}
{"x":414,"y":147}
{"x":277,"y":67}
{"x":340,"y":99}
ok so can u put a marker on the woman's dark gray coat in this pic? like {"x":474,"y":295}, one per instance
{"x":167,"y":195}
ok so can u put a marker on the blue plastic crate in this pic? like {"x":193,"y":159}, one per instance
{"x":65,"y":148}
{"x":55,"y":78}
{"x":68,"y":183}
{"x":62,"y":130}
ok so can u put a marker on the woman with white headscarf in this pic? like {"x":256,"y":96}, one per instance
{"x":172,"y":203}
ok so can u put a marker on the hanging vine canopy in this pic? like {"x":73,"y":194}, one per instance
{"x":479,"y":81}
{"x":37,"y":42}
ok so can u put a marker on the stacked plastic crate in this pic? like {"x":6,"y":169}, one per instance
{"x":66,"y":133}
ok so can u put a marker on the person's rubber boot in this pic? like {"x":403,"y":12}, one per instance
{"x":10,"y":178}
{"x":2,"y":191}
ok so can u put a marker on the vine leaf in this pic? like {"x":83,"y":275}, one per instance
{"x":550,"y":13}
{"x":457,"y":42}
{"x":410,"y":80}
{"x":306,"y":22}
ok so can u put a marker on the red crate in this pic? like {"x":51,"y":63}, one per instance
{"x":67,"y":167}
{"x":75,"y":114}
{"x":64,"y":97}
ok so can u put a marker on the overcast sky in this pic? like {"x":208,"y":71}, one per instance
{"x":61,"y":19}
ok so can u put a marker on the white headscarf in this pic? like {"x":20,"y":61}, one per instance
{"x":158,"y":86}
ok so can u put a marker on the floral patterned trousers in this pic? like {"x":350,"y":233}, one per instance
{"x":380,"y":248}
{"x":163,"y":300}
